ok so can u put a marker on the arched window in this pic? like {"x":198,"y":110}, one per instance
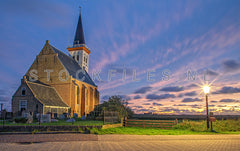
{"x":23,"y":91}
{"x":77,"y":94}
{"x":37,"y":107}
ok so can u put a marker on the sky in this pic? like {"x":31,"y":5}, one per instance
{"x":155,"y":54}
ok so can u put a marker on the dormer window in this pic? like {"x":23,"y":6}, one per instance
{"x":23,"y":91}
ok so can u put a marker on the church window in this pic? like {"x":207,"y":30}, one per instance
{"x":23,"y":105}
{"x":86,"y":60}
{"x":74,"y":57}
{"x":37,"y":107}
{"x":86,"y":97}
{"x":77,"y":57}
{"x":77,"y":94}
{"x":23,"y":91}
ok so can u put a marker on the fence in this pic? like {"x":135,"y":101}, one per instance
{"x":106,"y":116}
{"x":111,"y":117}
{"x":164,"y":124}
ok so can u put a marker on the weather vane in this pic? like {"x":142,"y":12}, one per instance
{"x":80,"y":9}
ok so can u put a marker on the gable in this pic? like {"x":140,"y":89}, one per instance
{"x":73,"y":67}
{"x":19,"y":90}
{"x":50,"y":58}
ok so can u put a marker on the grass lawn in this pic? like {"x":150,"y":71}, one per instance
{"x":184,"y":128}
{"x":152,"y":131}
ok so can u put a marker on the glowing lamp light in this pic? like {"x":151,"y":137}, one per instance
{"x":206,"y":89}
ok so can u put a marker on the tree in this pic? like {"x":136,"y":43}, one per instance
{"x":115,"y":104}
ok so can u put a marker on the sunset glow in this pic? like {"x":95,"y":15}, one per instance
{"x":161,"y":56}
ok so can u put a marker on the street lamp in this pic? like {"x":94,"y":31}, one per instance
{"x":206,"y":90}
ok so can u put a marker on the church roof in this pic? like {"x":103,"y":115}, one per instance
{"x":73,"y":67}
{"x":79,"y":36}
{"x":47,"y":95}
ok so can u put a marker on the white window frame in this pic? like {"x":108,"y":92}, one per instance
{"x":20,"y":104}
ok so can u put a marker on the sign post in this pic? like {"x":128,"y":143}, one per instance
{"x":212,"y":119}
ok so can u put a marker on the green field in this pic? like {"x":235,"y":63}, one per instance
{"x":183,"y":128}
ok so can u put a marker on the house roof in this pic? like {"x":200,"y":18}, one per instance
{"x":47,"y":95}
{"x":73,"y":67}
{"x":79,"y":36}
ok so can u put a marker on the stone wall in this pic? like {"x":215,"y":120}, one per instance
{"x":45,"y":128}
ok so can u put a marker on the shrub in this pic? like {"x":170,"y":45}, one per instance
{"x":20,"y":120}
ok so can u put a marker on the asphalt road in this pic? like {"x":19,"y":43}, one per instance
{"x":88,"y":142}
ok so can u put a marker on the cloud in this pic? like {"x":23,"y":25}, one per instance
{"x":5,"y":99}
{"x":214,"y":101}
{"x":125,"y":97}
{"x":193,"y":93}
{"x":137,"y":97}
{"x":191,"y":100}
{"x":106,"y":97}
{"x":170,"y":109}
{"x":159,"y":97}
{"x":2,"y":92}
{"x":192,"y":85}
{"x":231,"y":65}
{"x":180,"y":95}
{"x":143,"y":110}
{"x":146,"y":103}
{"x":39,"y":12}
{"x":180,"y":105}
{"x":222,"y":106}
{"x":228,"y":100}
{"x":156,"y":104}
{"x":212,"y":105}
{"x":142,"y":90}
{"x":195,"y":106}
{"x":211,"y":73}
{"x":139,"y":107}
{"x":172,"y":89}
{"x":227,"y":90}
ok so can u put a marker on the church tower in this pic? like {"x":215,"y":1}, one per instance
{"x":79,"y":51}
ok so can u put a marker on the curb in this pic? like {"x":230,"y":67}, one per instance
{"x":27,"y":133}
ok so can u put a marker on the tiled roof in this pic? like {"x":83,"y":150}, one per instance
{"x":47,"y":95}
{"x":73,"y":67}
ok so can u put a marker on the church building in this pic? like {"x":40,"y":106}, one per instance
{"x":57,"y":83}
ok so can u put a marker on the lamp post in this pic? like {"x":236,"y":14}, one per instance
{"x":206,"y":90}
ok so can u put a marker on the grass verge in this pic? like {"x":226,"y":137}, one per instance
{"x":184,"y":128}
{"x":152,"y":131}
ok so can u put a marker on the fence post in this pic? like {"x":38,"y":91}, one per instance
{"x":124,"y":121}
{"x":103,"y":118}
{"x":176,"y":121}
{"x":143,"y":124}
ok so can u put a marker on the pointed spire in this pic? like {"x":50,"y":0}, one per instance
{"x":79,"y":36}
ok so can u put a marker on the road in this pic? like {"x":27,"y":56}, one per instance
{"x":89,"y":142}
